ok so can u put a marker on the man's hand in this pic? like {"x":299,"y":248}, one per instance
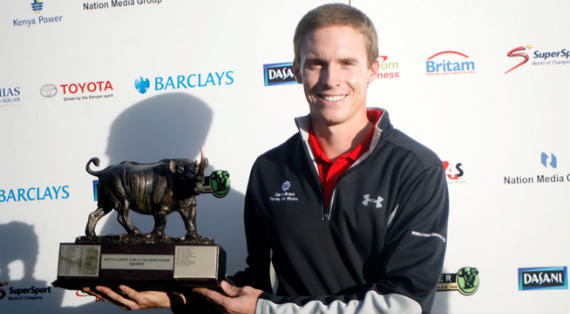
{"x":130,"y":299}
{"x":237,"y":300}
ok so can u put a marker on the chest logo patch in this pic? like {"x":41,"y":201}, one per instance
{"x":284,"y":195}
{"x":367,"y":200}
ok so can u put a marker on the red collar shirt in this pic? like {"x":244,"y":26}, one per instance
{"x":330,"y":171}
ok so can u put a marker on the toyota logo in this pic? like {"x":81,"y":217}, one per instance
{"x":48,"y":90}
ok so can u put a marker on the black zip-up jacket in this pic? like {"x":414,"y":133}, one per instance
{"x":378,"y":248}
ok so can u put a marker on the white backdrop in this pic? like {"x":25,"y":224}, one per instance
{"x":499,"y":133}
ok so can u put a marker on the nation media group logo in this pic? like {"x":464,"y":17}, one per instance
{"x":548,"y":160}
{"x":98,"y":5}
{"x":449,"y":62}
{"x":388,"y":69}
{"x":466,"y":281}
{"x":184,"y":81}
{"x":278,"y":73}
{"x":539,"y":57}
{"x":37,"y":7}
{"x":545,"y":173}
{"x":543,"y":278}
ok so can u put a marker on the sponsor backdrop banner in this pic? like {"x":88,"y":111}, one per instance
{"x":485,"y":85}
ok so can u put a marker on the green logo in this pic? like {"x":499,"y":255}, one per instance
{"x":467,"y":280}
{"x":220,"y":183}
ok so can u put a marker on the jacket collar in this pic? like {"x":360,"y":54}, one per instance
{"x":383,"y":124}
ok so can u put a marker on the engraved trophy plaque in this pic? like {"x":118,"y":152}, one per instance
{"x":150,"y":261}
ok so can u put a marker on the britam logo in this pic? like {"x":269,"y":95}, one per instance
{"x":543,"y":278}
{"x":466,"y":281}
{"x":279,"y":73}
{"x":449,"y":62}
{"x":377,"y":201}
{"x":184,"y":81}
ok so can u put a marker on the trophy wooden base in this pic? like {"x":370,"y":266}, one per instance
{"x":163,"y":265}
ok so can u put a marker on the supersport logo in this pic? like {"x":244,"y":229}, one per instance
{"x":517,"y":52}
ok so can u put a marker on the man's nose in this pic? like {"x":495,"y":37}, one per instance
{"x":331,"y":75}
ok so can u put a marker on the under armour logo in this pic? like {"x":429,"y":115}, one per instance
{"x":367,"y":199}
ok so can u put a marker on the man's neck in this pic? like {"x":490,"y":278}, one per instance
{"x":335,"y":140}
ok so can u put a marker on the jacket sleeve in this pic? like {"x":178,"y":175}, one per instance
{"x":256,"y":274}
{"x":405,"y":276}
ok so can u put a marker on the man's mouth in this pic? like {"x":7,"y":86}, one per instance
{"x":332,"y":98}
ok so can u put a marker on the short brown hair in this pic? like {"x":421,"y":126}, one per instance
{"x":337,"y":14}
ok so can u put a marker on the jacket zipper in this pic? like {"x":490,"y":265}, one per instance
{"x":326,"y":214}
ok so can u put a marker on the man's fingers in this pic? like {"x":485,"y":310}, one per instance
{"x":209,"y":294}
{"x":116,"y":298}
{"x":229,"y":290}
{"x":130,"y":293}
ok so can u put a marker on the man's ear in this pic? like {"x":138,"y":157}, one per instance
{"x":373,"y":70}
{"x":297,"y":72}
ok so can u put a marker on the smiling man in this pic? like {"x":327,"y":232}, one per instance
{"x":363,"y":227}
{"x":350,"y":212}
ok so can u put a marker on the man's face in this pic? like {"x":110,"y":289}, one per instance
{"x":335,"y":74}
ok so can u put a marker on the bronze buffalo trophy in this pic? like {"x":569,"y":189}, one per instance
{"x":147,"y":260}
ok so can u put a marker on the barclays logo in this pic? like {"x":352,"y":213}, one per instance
{"x":142,"y":84}
{"x":185,"y":81}
{"x":35,"y":193}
